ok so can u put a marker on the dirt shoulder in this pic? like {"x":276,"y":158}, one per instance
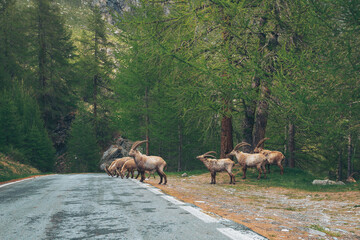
{"x":276,"y":213}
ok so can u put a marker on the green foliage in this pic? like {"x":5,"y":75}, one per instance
{"x":180,"y":68}
{"x":38,"y":149}
{"x":22,"y":130}
{"x":83,"y":150}
{"x":294,"y":178}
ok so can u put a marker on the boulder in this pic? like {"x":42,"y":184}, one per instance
{"x":327,"y":182}
{"x":119,"y":149}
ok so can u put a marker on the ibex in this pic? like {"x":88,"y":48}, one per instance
{"x":130,"y":167}
{"x":116,"y":165}
{"x":217,"y":165}
{"x":148,"y":163}
{"x":273,"y":157}
{"x":249,"y":160}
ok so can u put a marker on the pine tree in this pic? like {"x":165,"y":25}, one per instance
{"x":94,"y":69}
{"x":53,"y":49}
{"x":83,"y":150}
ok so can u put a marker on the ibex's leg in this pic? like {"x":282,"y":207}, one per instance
{"x":160,"y":174}
{"x":232,"y":177}
{"x":268,"y":167}
{"x":244,"y":172}
{"x":138,"y":173}
{"x":132,"y":173}
{"x":259,"y":169}
{"x":281,"y":168}
{"x":264,"y":171}
{"x":142,"y":176}
{"x":117,"y":172}
{"x":128,"y":173}
{"x":214,"y":177}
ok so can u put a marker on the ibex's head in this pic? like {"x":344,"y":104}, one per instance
{"x":122,"y":174}
{"x":236,"y":148}
{"x":206,"y":155}
{"x":133,"y":150}
{"x":258,"y":147}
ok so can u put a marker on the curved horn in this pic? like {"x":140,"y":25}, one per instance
{"x":241,"y":145}
{"x":207,"y":153}
{"x":137,"y":143}
{"x":261,"y":142}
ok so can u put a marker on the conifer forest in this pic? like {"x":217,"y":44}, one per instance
{"x":190,"y":76}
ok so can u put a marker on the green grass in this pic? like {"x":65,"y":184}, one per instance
{"x":292,"y":179}
{"x":189,"y":173}
{"x":8,"y":177}
{"x":11,"y":169}
{"x":321,"y":229}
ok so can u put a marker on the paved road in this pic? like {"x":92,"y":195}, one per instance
{"x":95,"y":206}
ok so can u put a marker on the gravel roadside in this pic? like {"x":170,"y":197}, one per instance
{"x":276,"y":213}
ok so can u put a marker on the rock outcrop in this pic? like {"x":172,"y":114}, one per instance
{"x":327,"y":182}
{"x":120,"y":149}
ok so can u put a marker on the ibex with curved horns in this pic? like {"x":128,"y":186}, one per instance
{"x":273,"y":157}
{"x":249,"y":160}
{"x":217,"y":165}
{"x":148,"y":163}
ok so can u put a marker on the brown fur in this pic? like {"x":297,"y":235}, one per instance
{"x":218,"y":165}
{"x":273,"y":157}
{"x":148,"y":163}
{"x":246,"y":160}
{"x":116,"y":165}
{"x":130,"y":167}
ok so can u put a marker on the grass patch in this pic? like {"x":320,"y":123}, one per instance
{"x":10,"y":169}
{"x":293,"y":179}
{"x":321,"y":229}
{"x":189,"y":173}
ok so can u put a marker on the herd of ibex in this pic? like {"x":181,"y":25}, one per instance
{"x":260,"y":158}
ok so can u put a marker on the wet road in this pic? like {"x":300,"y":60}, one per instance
{"x":95,"y":206}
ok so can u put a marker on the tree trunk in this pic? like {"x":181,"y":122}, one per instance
{"x":349,"y":155}
{"x":226,"y":136}
{"x":95,"y":84}
{"x":248,"y":126}
{"x":339,"y":168}
{"x":261,"y":116}
{"x":147,"y":121}
{"x":291,"y":145}
{"x":180,"y":147}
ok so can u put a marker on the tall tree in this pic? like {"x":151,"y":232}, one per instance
{"x":53,"y":50}
{"x":94,"y":71}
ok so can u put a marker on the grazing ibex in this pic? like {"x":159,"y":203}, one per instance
{"x":129,"y":166}
{"x":217,"y":165}
{"x":351,"y":179}
{"x":116,"y":165}
{"x":148,"y":163}
{"x":273,"y":157}
{"x":249,"y":160}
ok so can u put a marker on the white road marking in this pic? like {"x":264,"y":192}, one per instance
{"x":237,"y":235}
{"x":7,"y":184}
{"x":155,"y":190}
{"x":30,"y":178}
{"x":229,"y":232}
{"x":173,"y":200}
{"x":197,"y":213}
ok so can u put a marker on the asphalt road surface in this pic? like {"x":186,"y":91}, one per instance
{"x":96,"y":206}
